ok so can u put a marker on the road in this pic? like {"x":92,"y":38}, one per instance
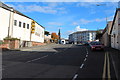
{"x":70,"y":63}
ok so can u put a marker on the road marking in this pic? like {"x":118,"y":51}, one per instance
{"x":76,"y":75}
{"x":85,"y":59}
{"x":108,"y":67}
{"x":37,"y":59}
{"x":87,"y":50}
{"x":104,"y":69}
{"x":82,"y":66}
{"x":86,"y":55}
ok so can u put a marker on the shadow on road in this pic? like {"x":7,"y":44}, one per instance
{"x":72,"y":57}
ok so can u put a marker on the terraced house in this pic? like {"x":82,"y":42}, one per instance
{"x":14,"y":24}
{"x":106,"y":38}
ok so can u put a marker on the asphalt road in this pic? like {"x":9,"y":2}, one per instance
{"x":69,"y":63}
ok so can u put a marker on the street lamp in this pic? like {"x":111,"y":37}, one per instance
{"x":105,"y":14}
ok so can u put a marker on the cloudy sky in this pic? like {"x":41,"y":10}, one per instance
{"x":68,"y":16}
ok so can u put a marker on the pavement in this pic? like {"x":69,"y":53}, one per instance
{"x":47,"y":47}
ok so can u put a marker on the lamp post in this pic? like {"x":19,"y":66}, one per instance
{"x":105,"y":14}
{"x":99,"y":35}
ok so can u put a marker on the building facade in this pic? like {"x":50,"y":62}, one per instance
{"x":115,"y":30}
{"x":82,"y":36}
{"x":106,"y":39}
{"x":17,"y":25}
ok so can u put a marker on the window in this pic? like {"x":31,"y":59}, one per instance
{"x":23,"y":25}
{"x":27,"y":26}
{"x":15,"y":22}
{"x":19,"y":24}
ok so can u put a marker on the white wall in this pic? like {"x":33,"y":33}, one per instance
{"x":20,"y":32}
{"x":114,"y":40}
{"x":90,"y":38}
{"x":23,"y":34}
{"x":38,"y":36}
{"x":4,"y":23}
{"x":119,"y":29}
{"x":82,"y":36}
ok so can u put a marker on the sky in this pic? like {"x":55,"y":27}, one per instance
{"x":69,"y":17}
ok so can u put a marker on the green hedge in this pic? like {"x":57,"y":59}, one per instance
{"x":8,"y":38}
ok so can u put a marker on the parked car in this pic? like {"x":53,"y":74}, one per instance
{"x":96,"y":45}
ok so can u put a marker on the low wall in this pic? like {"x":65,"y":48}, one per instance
{"x":37,"y":43}
{"x":4,"y":46}
{"x":12,"y":44}
{"x":15,"y":44}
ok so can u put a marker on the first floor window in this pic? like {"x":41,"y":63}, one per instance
{"x":27,"y":26}
{"x":23,"y":25}
{"x":15,"y":22}
{"x":19,"y":24}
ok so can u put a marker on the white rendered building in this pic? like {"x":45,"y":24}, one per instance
{"x":82,"y":36}
{"x":17,"y":25}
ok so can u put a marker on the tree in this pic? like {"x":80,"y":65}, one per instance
{"x":98,"y":35}
{"x":54,"y":37}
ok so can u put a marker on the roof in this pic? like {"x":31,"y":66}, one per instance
{"x":2,"y":5}
{"x":118,"y":9}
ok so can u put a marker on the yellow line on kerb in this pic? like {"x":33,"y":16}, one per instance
{"x":104,"y":69}
{"x":106,"y":65}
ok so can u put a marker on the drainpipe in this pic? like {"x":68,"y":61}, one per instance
{"x":9,"y":24}
{"x":11,"y":9}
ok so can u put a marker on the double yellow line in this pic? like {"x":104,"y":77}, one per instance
{"x":106,"y":69}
